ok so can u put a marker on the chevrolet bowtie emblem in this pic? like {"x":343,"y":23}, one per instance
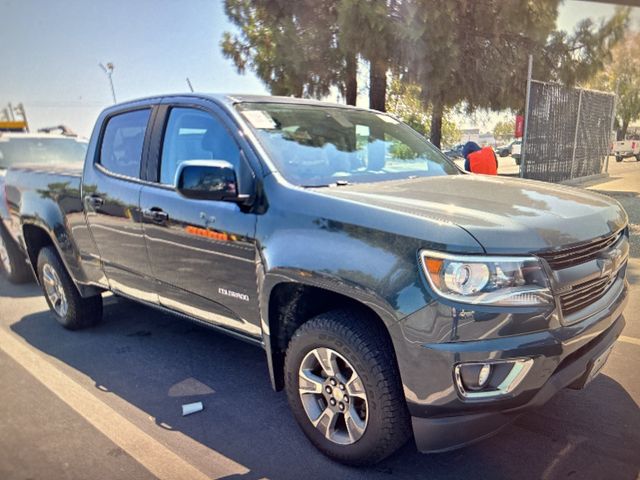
{"x":606,"y":266}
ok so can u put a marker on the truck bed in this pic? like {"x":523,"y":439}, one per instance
{"x":45,"y":183}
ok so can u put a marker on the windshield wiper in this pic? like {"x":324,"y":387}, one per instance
{"x":338,"y":183}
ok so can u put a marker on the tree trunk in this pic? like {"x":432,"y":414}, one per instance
{"x":378,"y":84}
{"x":435,"y":135}
{"x":351,"y":83}
{"x":623,"y":130}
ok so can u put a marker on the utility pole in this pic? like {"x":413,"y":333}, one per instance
{"x":526,"y":115}
{"x":108,"y":70}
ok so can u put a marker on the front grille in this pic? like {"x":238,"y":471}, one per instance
{"x":569,"y":257}
{"x":584,"y":294}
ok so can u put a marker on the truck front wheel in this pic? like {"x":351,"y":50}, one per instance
{"x":344,"y":388}
{"x":618,"y":158}
{"x":71,"y":310}
{"x":12,"y":261}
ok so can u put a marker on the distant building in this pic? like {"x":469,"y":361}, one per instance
{"x":474,"y":135}
{"x":470,"y":135}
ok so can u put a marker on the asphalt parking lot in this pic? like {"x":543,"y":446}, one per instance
{"x":106,"y":403}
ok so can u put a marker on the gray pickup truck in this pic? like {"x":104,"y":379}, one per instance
{"x":393,"y":294}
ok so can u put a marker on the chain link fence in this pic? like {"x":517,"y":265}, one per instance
{"x":568,"y":132}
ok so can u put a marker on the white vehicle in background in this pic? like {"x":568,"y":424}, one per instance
{"x":516,"y":150}
{"x":630,"y":147}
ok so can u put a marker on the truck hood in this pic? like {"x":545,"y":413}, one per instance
{"x":505,"y":215}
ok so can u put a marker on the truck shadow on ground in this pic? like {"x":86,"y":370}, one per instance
{"x":27,"y":289}
{"x":158,"y":362}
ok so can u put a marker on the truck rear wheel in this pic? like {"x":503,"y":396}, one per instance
{"x":618,"y":158}
{"x":344,"y":388}
{"x":71,"y":310}
{"x":12,"y":261}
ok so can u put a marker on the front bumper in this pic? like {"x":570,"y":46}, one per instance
{"x":562,"y":357}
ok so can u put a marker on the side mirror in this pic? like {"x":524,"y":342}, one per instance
{"x":208,"y":180}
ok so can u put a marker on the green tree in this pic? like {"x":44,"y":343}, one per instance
{"x":622,"y":73}
{"x":291,"y":46}
{"x":303,"y":48}
{"x":578,"y":56}
{"x":404,"y":100}
{"x":368,"y":28}
{"x":471,"y":53}
{"x":503,"y":130}
{"x":457,"y":56}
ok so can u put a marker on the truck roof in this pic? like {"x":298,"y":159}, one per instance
{"x":232,"y":98}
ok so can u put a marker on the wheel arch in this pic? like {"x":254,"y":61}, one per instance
{"x":36,"y":236}
{"x":286,"y":304}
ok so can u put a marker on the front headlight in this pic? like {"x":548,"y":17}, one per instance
{"x":515,"y":281}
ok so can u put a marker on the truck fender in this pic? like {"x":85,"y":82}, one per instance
{"x":50,"y":223}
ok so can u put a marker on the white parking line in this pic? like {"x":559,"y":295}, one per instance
{"x":153,"y":455}
{"x":634,"y":341}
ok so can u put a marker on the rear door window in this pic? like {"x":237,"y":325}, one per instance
{"x":122,"y":142}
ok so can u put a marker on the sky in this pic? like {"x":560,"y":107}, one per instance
{"x":51,"y":51}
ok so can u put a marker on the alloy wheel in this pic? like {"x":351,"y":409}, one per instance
{"x":54,"y":290}
{"x":333,"y":396}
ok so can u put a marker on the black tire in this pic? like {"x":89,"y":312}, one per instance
{"x":618,"y":158}
{"x":16,"y":268}
{"x":638,"y":158}
{"x":366,"y":346}
{"x":80,"y":312}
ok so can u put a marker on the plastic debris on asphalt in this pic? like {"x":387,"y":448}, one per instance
{"x":189,"y":408}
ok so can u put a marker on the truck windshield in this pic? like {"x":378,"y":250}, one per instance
{"x":14,"y":151}
{"x":319,"y":146}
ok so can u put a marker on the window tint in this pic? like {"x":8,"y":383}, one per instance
{"x":194,"y":135}
{"x":121,"y":150}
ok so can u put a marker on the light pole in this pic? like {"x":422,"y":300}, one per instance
{"x":108,"y":70}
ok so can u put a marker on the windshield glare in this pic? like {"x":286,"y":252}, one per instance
{"x":317,"y":146}
{"x":14,"y":151}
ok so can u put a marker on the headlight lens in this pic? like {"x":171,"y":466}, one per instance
{"x":517,"y":281}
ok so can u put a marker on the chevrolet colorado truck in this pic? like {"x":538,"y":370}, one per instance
{"x":393,"y":294}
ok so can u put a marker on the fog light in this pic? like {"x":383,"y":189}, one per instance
{"x":474,"y":376}
{"x":484,"y":380}
{"x":483,"y":376}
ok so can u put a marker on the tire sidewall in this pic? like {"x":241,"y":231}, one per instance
{"x":20,"y":272}
{"x":301,"y":345}
{"x":3,"y":267}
